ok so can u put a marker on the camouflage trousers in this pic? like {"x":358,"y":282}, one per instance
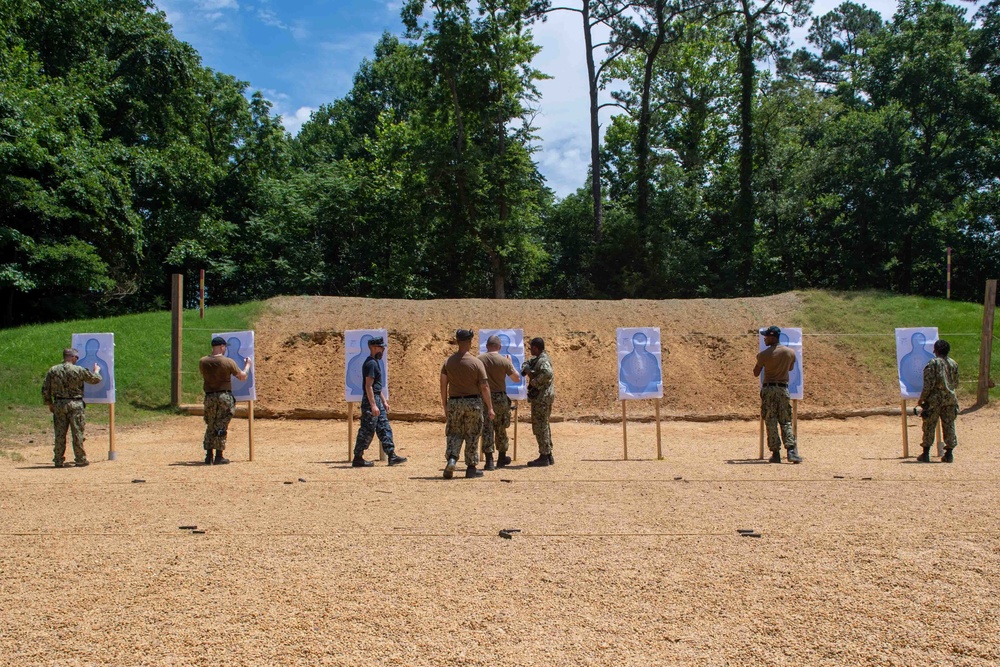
{"x":219,"y":410}
{"x":68,"y":415}
{"x":541,"y":409}
{"x":465,"y":423}
{"x":495,"y":431}
{"x":372,"y":426}
{"x":776,"y":409}
{"x":947,"y":415}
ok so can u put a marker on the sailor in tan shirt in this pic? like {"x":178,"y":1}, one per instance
{"x":776,"y":361}
{"x":499,"y":367}
{"x":464,"y":392}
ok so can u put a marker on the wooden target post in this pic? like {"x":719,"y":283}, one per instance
{"x":514,"y":457}
{"x":250,"y":426}
{"x":112,"y":454}
{"x":350,"y":431}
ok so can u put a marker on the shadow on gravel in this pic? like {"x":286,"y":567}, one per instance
{"x":189,"y":464}
{"x":747,"y":462}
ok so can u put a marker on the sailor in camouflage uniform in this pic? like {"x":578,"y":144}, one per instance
{"x":541,"y":395}
{"x":374,"y":410}
{"x":776,"y":362}
{"x":218,"y":370}
{"x":464,"y":391}
{"x":62,"y":391}
{"x":498,"y":368}
{"x":938,"y":401}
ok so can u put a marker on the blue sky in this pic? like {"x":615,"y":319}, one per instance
{"x":304,"y":53}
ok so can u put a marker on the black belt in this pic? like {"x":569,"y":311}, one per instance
{"x":68,"y":398}
{"x":776,"y":384}
{"x":468,"y":396}
{"x":222,"y":391}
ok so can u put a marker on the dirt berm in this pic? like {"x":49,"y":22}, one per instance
{"x":708,"y":354}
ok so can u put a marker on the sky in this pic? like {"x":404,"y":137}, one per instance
{"x":304,"y":53}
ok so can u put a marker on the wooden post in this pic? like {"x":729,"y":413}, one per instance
{"x":795,"y":419}
{"x":112,"y":454}
{"x":350,"y":431}
{"x":250,"y":426}
{"x":201,"y":293}
{"x":659,"y":446}
{"x":948,"y":294}
{"x":986,"y":343}
{"x":940,"y":439}
{"x":906,"y":437}
{"x":176,"y":336}
{"x":514,"y":458}
{"x":624,"y":432}
{"x":760,"y":455}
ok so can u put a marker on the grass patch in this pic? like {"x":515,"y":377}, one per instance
{"x":142,"y":364}
{"x":872,"y":317}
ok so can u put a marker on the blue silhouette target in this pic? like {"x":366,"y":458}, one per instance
{"x":239,"y":346}
{"x":355,"y":353}
{"x":511,"y":343}
{"x":639,"y":374}
{"x":914,"y":348}
{"x":97,"y":349}
{"x":791,"y":338}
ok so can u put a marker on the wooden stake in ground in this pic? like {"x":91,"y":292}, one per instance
{"x":250,"y":426}
{"x":986,"y":343}
{"x":659,"y":446}
{"x":514,"y":458}
{"x":906,"y":438}
{"x":760,"y":455}
{"x":624,"y":432}
{"x":112,"y":454}
{"x":940,"y":439}
{"x":795,"y":420}
{"x":350,"y":432}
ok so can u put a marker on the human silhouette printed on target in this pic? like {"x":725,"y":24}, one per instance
{"x":233,"y":352}
{"x":639,"y":371}
{"x":354,"y":381}
{"x":911,"y":366}
{"x":91,"y":357}
{"x":514,"y":359}
{"x":794,"y":375}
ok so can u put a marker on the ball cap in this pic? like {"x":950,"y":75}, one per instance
{"x":464,"y":334}
{"x":377,"y":341}
{"x":770,"y":331}
{"x":71,"y":352}
{"x":218,"y":340}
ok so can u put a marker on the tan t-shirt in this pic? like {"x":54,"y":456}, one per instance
{"x":218,"y":373}
{"x":777,"y":361}
{"x":464,"y":372}
{"x":498,"y":367}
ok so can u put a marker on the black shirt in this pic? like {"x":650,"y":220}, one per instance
{"x":373,"y":369}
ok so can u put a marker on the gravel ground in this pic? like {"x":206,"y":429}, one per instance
{"x":864,"y":558}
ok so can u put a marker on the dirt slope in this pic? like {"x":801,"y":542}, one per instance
{"x":708,"y":352}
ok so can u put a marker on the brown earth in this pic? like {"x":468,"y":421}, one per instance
{"x":709,"y":346}
{"x":864,"y":558}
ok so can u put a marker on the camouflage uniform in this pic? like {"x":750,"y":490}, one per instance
{"x":496,"y":430}
{"x":465,"y":422}
{"x":220,"y":406}
{"x":541,"y":395}
{"x":939,"y":400}
{"x":63,"y":390}
{"x":776,"y":410}
{"x":372,"y":426}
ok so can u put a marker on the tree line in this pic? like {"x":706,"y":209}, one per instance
{"x":734,"y":166}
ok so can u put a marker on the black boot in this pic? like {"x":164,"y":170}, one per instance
{"x":208,"y":457}
{"x":947,"y":458}
{"x":219,"y":460}
{"x":396,"y":460}
{"x":793,"y":455}
{"x":503,"y":460}
{"x":449,"y":470}
{"x":541,"y":461}
{"x":775,"y":456}
{"x":359,"y":462}
{"x":489,"y":463}
{"x":925,"y":456}
{"x":471,"y":472}
{"x":552,"y":461}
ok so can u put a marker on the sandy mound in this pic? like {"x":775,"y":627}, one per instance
{"x":708,"y":352}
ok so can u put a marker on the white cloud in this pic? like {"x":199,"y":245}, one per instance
{"x":293,"y":122}
{"x":215,"y":5}
{"x":268,"y":17}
